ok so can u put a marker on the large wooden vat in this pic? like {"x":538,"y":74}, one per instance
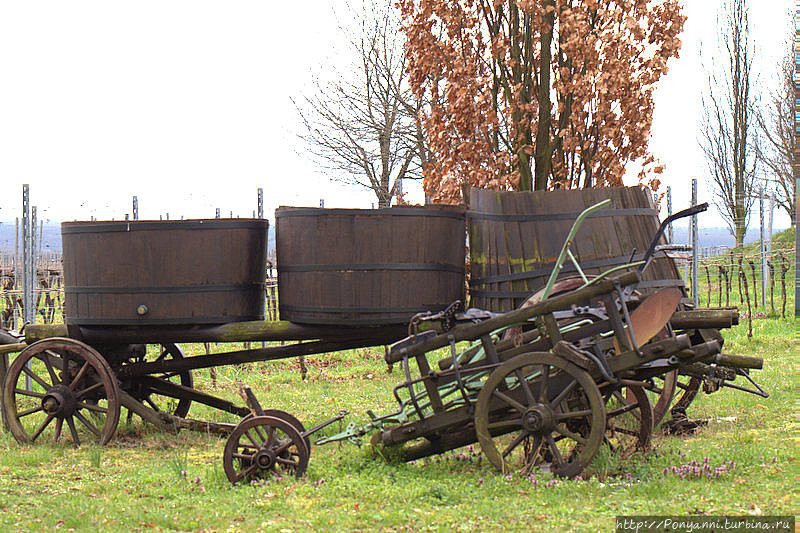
{"x":515,"y":239}
{"x":368,"y":267}
{"x":180,"y":272}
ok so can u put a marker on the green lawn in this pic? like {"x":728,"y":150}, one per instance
{"x":146,"y":480}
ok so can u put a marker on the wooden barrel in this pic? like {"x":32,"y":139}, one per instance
{"x":368,"y":266}
{"x":180,"y":272}
{"x":515,"y":239}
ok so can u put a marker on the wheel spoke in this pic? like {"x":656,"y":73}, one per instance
{"x":79,"y":375}
{"x":569,"y":434}
{"x":87,"y":390}
{"x":283,"y":445}
{"x":49,"y":365}
{"x":35,"y":377}
{"x":543,"y":386}
{"x":625,"y":431}
{"x":59,"y":425}
{"x":563,"y":394}
{"x":622,"y":410}
{"x":74,"y":431}
{"x":572,"y":414}
{"x":247,"y":471}
{"x":29,"y":411}
{"x":41,"y":427}
{"x":152,"y":404}
{"x":287,"y":462}
{"x":261,"y":436}
{"x":510,"y":401}
{"x":525,"y":386}
{"x":505,"y":424}
{"x":92,"y":407}
{"x":249,"y":446}
{"x":243,"y":456}
{"x":91,"y":427}
{"x":29,"y":393}
{"x":514,"y":443}
{"x":554,"y":449}
{"x":250,"y":438}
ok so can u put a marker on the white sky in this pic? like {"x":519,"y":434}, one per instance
{"x":186,"y":105}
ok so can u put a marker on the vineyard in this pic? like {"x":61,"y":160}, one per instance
{"x":726,"y":278}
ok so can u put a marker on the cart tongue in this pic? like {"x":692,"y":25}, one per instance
{"x":652,"y":315}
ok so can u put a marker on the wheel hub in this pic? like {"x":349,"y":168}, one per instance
{"x":264,"y":458}
{"x":59,"y":401}
{"x":537,"y":418}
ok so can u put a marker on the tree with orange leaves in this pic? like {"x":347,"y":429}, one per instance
{"x":535,"y":94}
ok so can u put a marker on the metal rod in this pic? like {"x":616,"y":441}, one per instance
{"x":695,"y":248}
{"x":669,"y":213}
{"x":762,"y":248}
{"x":26,"y":272}
{"x":239,"y":357}
{"x":17,"y":277}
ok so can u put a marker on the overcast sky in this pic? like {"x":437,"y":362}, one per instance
{"x":186,"y":104}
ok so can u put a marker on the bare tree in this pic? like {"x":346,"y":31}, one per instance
{"x":776,"y":125}
{"x":728,"y":136}
{"x":363,"y":127}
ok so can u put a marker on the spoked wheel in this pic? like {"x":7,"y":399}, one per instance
{"x":71,"y":385}
{"x":540,"y":411}
{"x":629,"y":419}
{"x":146,"y":392}
{"x":262,"y":446}
{"x":662,"y":392}
{"x":291,"y":419}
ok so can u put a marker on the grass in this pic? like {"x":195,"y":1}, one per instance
{"x":145,"y":480}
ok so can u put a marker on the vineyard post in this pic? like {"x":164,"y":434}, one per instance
{"x":261,"y":216}
{"x":669,"y":213}
{"x":32,"y":265}
{"x":768,"y":254}
{"x":17,"y":277}
{"x":695,"y":246}
{"x":762,"y":250}
{"x":743,"y":277}
{"x":26,"y":261}
{"x":771,"y":286}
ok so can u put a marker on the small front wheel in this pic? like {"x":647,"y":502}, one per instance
{"x":263,"y":446}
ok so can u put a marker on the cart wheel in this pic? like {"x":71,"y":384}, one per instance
{"x":663,"y":393}
{"x":542,"y":412}
{"x":287,"y":417}
{"x":70,"y":382}
{"x":159,"y":401}
{"x":629,"y":419}
{"x":262,"y":446}
{"x":290,"y":418}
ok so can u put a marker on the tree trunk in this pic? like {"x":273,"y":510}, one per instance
{"x":544,"y":149}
